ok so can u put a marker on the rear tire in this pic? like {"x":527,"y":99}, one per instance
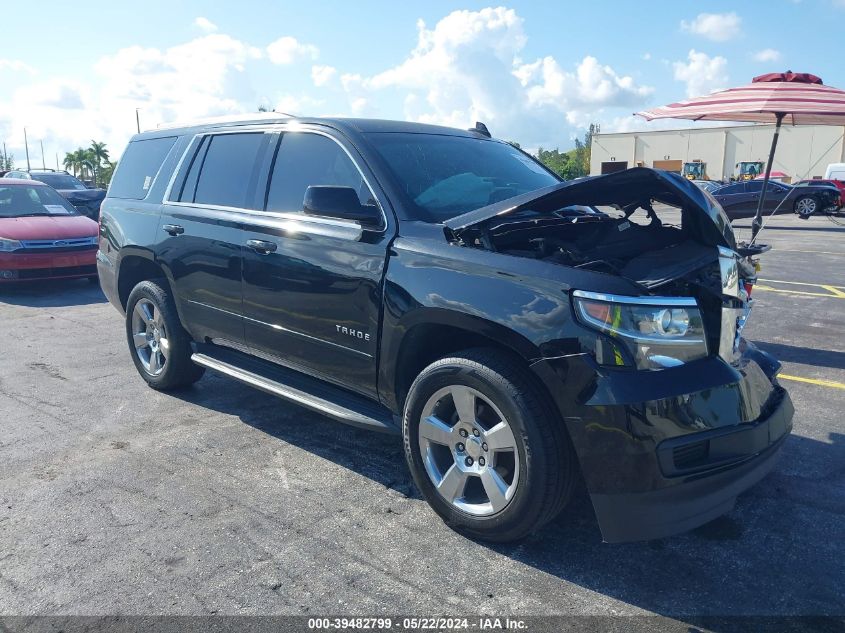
{"x":806,"y":206}
{"x":159,"y":345}
{"x":486,"y":447}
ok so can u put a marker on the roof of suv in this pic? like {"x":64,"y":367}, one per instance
{"x":22,"y":181}
{"x":342,"y":124}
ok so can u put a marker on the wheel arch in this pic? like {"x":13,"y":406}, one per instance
{"x":438,"y":333}
{"x":134,"y":267}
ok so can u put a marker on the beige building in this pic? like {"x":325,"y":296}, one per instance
{"x":803,"y":151}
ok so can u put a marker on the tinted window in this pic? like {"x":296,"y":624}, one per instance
{"x":227,"y":170}
{"x":138,"y":167}
{"x":305,"y":159}
{"x":60,"y":181}
{"x":753,"y":186}
{"x":445,"y":176}
{"x":25,"y":200}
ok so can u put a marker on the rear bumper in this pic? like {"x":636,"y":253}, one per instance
{"x":698,"y":498}
{"x":16,"y":267}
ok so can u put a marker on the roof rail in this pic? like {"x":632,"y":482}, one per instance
{"x":256,"y":117}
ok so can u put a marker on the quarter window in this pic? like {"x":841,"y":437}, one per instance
{"x":305,"y":159}
{"x":138,"y":167}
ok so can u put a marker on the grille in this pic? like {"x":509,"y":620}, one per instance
{"x":691,"y":455}
{"x":71,"y":242}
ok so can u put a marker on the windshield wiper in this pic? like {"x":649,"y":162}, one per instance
{"x":30,"y":215}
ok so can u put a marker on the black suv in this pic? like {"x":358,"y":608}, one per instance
{"x":519,"y":332}
{"x":85,"y":199}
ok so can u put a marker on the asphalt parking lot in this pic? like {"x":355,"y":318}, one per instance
{"x":117,"y":499}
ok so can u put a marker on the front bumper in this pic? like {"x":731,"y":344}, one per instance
{"x":53,"y":265}
{"x":752,"y":451}
{"x":666,"y":451}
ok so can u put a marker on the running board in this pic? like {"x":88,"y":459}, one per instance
{"x":301,"y":389}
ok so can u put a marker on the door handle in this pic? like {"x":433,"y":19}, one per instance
{"x":262,"y":247}
{"x":173,"y":229}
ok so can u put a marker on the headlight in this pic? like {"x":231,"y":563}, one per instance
{"x":646,"y":332}
{"x":7,"y":246}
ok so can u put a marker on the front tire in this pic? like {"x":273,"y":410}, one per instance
{"x":806,"y":206}
{"x":159,"y":345}
{"x":485,"y":446}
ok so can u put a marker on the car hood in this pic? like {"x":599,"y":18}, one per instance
{"x":42,"y":227}
{"x":701,"y":215}
{"x":82,"y":195}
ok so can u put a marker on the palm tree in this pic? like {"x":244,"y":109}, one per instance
{"x":100,"y":155}
{"x":80,"y":157}
{"x":70,"y":162}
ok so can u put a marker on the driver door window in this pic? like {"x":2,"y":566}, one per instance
{"x":304,"y":159}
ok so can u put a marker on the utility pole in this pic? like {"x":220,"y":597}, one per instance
{"x":5,"y":157}
{"x":137,"y":120}
{"x":43,"y":160}
{"x":26,"y":146}
{"x":57,"y":162}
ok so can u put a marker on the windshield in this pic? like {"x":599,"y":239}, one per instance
{"x":59,"y":181}
{"x":29,"y":200}
{"x":446,"y":176}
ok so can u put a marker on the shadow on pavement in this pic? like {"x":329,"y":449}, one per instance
{"x":52,"y":294}
{"x":776,"y":553}
{"x":804,"y":355}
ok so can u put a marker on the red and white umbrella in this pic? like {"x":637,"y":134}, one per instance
{"x":797,"y":98}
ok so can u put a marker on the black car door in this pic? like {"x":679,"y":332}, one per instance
{"x":201,"y":237}
{"x":313,"y":285}
{"x":736,"y":201}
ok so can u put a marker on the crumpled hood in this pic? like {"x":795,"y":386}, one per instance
{"x":42,"y":227}
{"x":701,"y":215}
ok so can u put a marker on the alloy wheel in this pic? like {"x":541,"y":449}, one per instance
{"x":149,"y":336}
{"x":805,"y":206}
{"x":469,"y":450}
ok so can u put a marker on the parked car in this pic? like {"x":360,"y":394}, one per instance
{"x":839,"y":184}
{"x":740,"y":199}
{"x":87,"y":200}
{"x":446,"y":286}
{"x":42,"y":236}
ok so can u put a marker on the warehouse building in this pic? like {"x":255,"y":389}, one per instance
{"x":803,"y":151}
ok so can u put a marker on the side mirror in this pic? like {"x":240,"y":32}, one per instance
{"x":339,"y":202}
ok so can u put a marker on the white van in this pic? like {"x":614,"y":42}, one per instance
{"x":835,"y":171}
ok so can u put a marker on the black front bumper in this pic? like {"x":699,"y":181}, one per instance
{"x":740,"y":457}
{"x":665,"y":451}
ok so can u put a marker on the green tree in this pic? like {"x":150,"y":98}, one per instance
{"x":7,"y":161}
{"x":583,"y":149}
{"x":70,"y":162}
{"x":98,"y":155}
{"x":106,"y":173}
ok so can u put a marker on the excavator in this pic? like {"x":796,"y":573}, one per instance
{"x":695,"y":170}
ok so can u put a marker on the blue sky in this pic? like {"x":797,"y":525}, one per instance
{"x":535,"y":72}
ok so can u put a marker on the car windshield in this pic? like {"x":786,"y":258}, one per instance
{"x":59,"y":181}
{"x":31,"y":200}
{"x":446,"y":176}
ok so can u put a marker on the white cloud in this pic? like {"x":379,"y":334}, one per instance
{"x":718,"y":27}
{"x":16,"y":65}
{"x":767,"y":55}
{"x":286,"y":50}
{"x":323,"y":75}
{"x":646,"y":57}
{"x":701,"y":73}
{"x":469,"y":68}
{"x":205,"y":25}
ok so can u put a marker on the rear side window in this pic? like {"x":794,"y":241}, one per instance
{"x":306,"y":159}
{"x":225,"y":170}
{"x":139,"y":167}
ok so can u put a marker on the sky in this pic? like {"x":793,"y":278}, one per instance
{"x":537,"y":73}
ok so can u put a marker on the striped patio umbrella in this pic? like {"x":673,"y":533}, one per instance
{"x":797,"y":98}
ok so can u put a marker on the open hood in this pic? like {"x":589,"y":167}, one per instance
{"x":701,"y":216}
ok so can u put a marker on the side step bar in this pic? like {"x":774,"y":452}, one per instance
{"x":344,"y":407}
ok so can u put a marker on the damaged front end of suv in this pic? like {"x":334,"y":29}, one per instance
{"x":671,"y":412}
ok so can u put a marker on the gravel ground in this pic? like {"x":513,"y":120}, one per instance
{"x":116,"y":499}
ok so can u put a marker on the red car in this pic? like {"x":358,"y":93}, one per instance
{"x":42,"y":236}
{"x":836,"y":183}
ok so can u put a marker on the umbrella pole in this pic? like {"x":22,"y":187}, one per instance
{"x":757,"y":224}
